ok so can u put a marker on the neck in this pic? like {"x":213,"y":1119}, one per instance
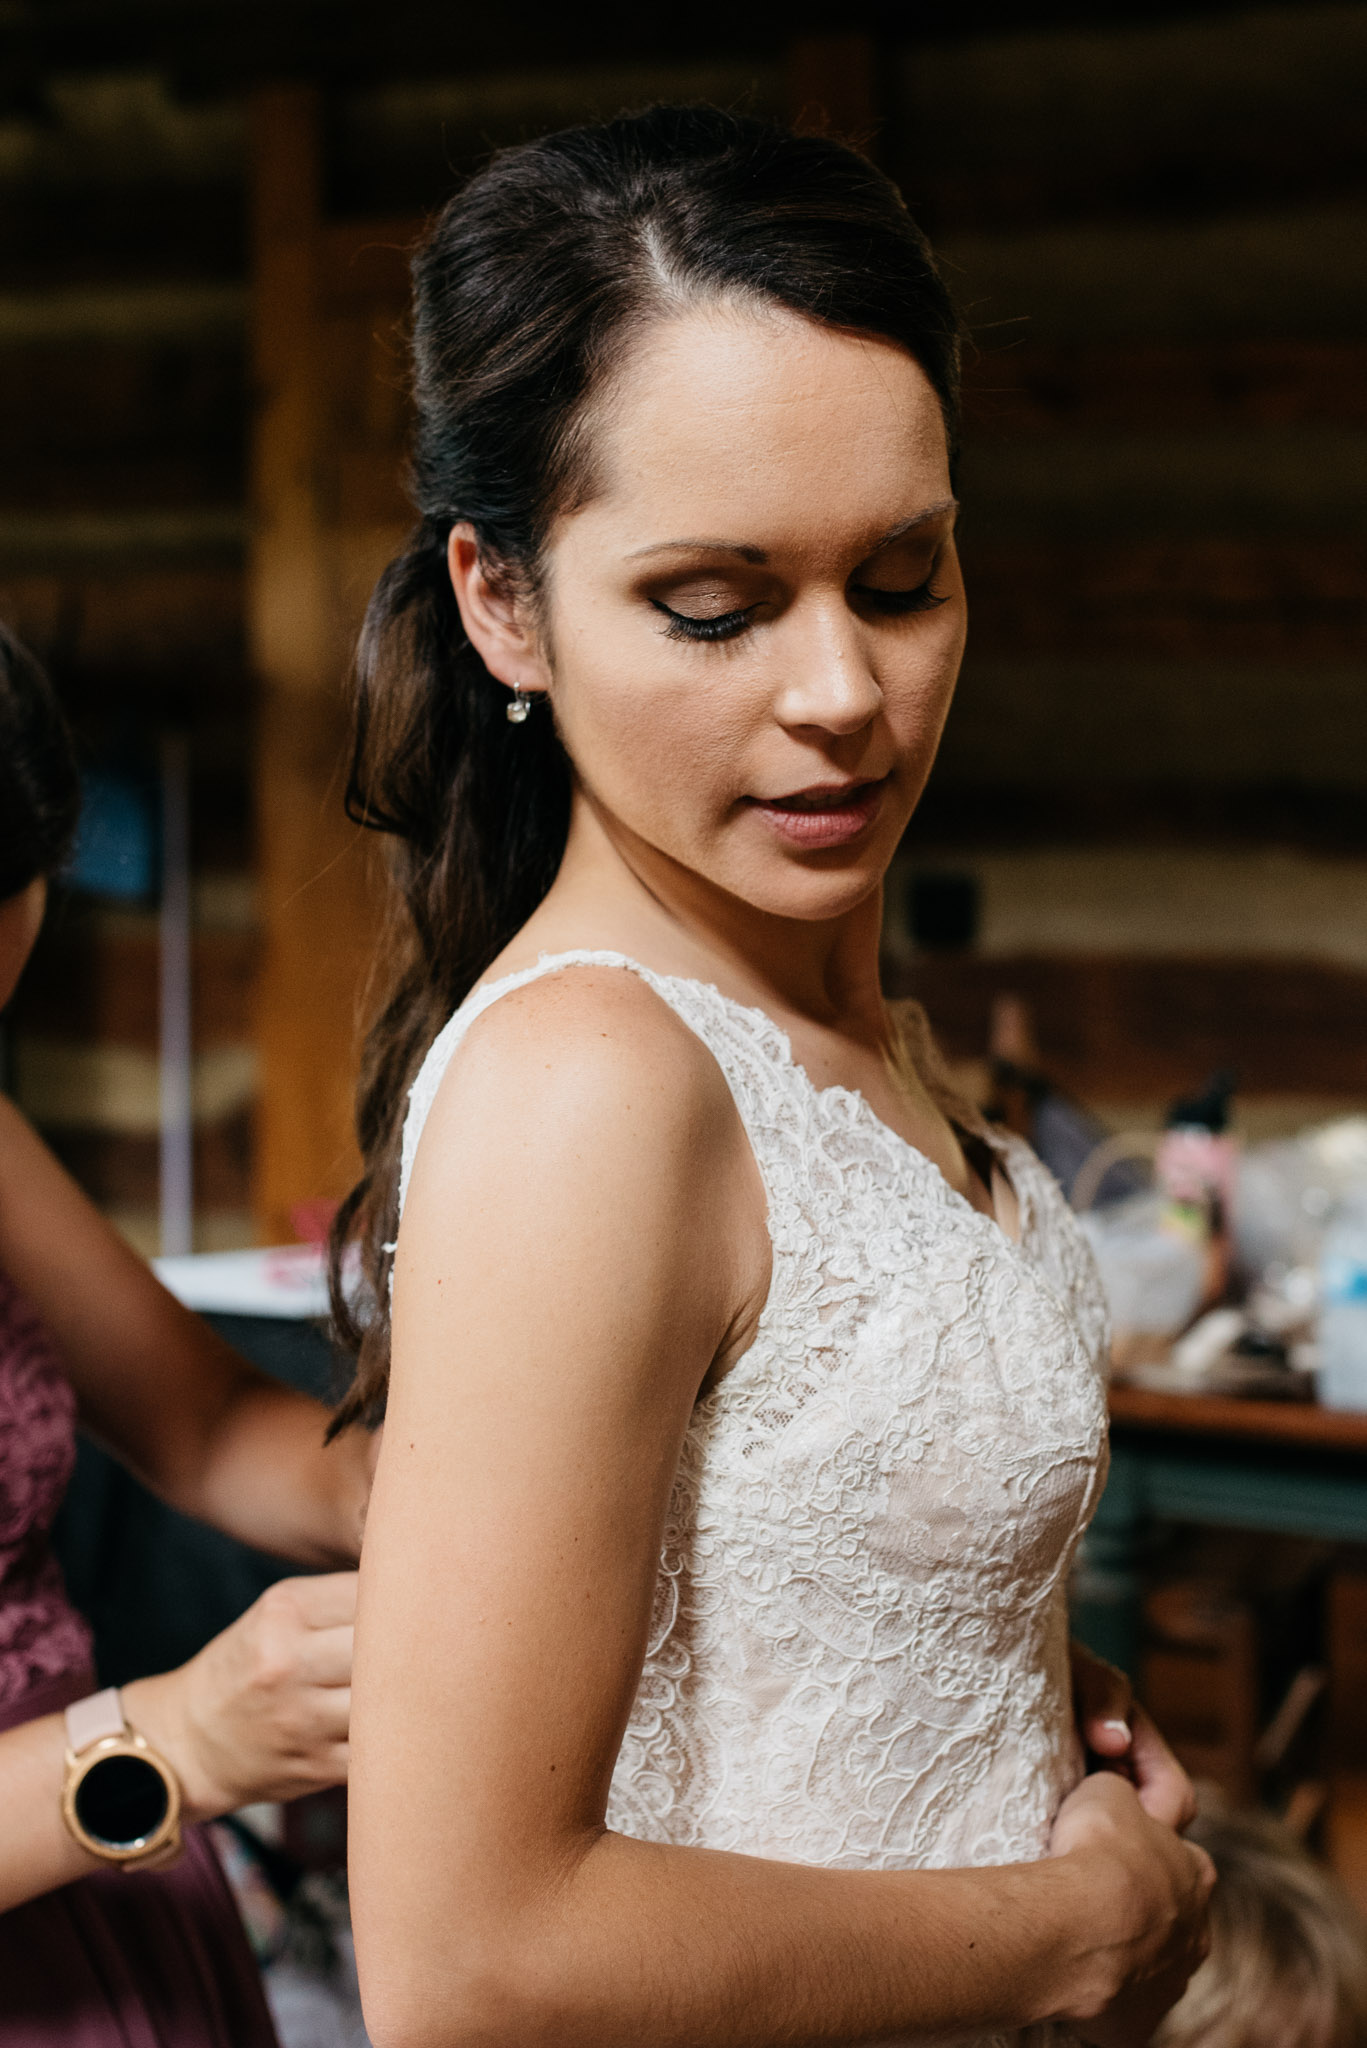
{"x":826,"y":969}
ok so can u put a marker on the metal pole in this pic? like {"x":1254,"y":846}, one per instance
{"x":177,"y":1107}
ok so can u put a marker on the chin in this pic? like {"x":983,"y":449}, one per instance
{"x":811,"y":896}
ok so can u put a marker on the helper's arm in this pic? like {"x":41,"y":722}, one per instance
{"x":206,"y":1430}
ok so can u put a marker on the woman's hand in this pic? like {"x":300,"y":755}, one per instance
{"x":262,"y":1711}
{"x":1147,"y":1893}
{"x":1123,"y":1738}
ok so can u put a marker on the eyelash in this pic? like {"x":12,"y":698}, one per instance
{"x":897,"y":604}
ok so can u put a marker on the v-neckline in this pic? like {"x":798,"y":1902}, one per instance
{"x":839,"y":1091}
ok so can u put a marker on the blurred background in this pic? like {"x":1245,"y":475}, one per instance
{"x":1153,"y":782}
{"x":1136,"y":892}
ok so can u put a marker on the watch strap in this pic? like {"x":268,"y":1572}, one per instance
{"x":94,"y":1719}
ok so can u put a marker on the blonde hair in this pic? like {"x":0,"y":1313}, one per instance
{"x":1288,"y":1960}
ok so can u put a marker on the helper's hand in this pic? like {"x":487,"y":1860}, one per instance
{"x":262,"y":1711}
{"x":1147,"y":1892}
{"x":1122,"y":1737}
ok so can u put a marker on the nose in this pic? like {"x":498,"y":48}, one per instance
{"x":827,"y":679}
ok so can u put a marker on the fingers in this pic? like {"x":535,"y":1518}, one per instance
{"x":322,"y":1600}
{"x":318,"y":1754}
{"x":285,"y":1642}
{"x":1114,"y":1728}
{"x":334,"y":1764}
{"x":312,"y":1771}
{"x":325,"y":1714}
{"x":323,"y":1657}
{"x":1165,"y":1790}
{"x":1111,"y":1791}
{"x":1100,"y":1801}
{"x":1103,"y":1697}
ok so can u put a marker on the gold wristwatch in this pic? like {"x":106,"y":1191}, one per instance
{"x":120,"y":1800}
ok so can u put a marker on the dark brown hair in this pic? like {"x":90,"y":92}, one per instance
{"x":528,"y":289}
{"x":40,"y":791}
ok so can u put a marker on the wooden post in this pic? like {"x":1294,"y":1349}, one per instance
{"x":316,"y":914}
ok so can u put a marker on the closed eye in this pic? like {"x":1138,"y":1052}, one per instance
{"x":727,"y":625}
{"x":716,"y":626}
{"x":898,"y":603}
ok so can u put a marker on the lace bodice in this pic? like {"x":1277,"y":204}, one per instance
{"x":859,"y":1651}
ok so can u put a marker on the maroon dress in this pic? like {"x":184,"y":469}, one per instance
{"x":121,"y":1959}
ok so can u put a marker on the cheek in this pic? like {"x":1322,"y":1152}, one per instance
{"x":919,"y":684}
{"x":652,"y":740}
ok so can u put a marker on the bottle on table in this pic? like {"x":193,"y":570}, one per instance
{"x":1342,"y":1381}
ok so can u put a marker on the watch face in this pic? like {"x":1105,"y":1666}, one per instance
{"x":121,"y":1800}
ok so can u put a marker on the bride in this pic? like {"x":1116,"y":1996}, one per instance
{"x":744,"y":1391}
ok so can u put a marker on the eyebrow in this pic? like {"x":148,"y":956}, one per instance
{"x":747,"y":553}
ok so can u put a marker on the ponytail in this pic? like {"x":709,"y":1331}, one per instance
{"x":478,"y":812}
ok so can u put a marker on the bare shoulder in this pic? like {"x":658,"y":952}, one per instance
{"x":588,"y":1055}
{"x":582,"y":1122}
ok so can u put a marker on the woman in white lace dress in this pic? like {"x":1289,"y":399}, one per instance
{"x":744,"y":1393}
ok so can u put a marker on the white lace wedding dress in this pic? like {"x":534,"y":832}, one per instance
{"x":859,"y":1655}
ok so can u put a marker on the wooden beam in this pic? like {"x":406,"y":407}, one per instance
{"x":1226,"y":276}
{"x":96,"y":982}
{"x":1016,"y":387}
{"x":1142,"y":708}
{"x":1039,"y":806}
{"x":1292,"y":602}
{"x":316,"y":909}
{"x":1144,"y":117}
{"x":173,"y":311}
{"x":31,"y":540}
{"x":1274,"y":483}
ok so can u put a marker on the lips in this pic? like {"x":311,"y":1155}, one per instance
{"x":830,"y":814}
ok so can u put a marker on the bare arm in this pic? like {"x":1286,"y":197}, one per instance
{"x":583,"y":1244}
{"x":206,"y":1430}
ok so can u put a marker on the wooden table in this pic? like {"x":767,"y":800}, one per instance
{"x":1288,"y":1468}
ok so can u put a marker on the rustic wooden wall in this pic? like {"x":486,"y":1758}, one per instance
{"x":328,"y":446}
{"x":123,"y":400}
{"x":1155,"y":227}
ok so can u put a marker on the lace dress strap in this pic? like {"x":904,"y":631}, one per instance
{"x":743,"y":1042}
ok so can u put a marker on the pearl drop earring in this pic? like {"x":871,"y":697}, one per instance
{"x":519,"y":706}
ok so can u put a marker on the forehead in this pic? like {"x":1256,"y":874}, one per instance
{"x":760,"y":424}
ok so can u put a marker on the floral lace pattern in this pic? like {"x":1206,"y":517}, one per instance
{"x":41,"y":1637}
{"x":859,"y":1655}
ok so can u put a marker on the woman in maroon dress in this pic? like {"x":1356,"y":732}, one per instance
{"x":109,"y":1946}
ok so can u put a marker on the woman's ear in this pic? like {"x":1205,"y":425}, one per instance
{"x":498,"y":623}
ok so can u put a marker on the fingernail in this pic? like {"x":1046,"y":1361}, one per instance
{"x":1118,"y":1728}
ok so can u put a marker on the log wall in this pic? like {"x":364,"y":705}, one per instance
{"x":1155,"y":229}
